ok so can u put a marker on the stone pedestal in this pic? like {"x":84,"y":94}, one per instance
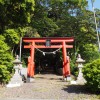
{"x":16,"y":80}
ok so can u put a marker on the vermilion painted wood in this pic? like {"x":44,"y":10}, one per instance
{"x":63,"y":45}
{"x":29,"y":65}
{"x":58,"y":39}
{"x":65,"y":69}
{"x":53,"y":46}
{"x":68,"y":65}
{"x":32,"y":68}
{"x":51,"y":38}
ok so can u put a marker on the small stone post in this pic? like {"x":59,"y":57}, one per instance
{"x":16,"y":80}
{"x":80,"y":78}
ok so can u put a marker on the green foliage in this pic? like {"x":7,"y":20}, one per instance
{"x":31,"y":32}
{"x":12,"y":37}
{"x":90,"y":52}
{"x":45,"y":26}
{"x":74,"y":68}
{"x":91,"y":73}
{"x":15,"y":13}
{"x":5,"y":61}
{"x":4,"y":74}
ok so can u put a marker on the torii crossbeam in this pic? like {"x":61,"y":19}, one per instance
{"x":54,"y":42}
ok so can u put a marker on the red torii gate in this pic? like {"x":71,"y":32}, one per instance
{"x":41,"y":43}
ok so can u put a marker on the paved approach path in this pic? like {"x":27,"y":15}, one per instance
{"x":46,"y":86}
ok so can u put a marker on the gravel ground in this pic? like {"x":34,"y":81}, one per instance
{"x":46,"y":86}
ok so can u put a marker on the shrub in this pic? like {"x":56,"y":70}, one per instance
{"x":5,"y":61}
{"x":91,"y":73}
{"x":4,"y":74}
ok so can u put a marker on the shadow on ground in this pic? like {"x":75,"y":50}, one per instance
{"x":78,"y":89}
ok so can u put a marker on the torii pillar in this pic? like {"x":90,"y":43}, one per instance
{"x":66,"y":64}
{"x":31,"y":64}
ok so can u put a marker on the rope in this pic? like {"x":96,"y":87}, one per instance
{"x":54,"y":52}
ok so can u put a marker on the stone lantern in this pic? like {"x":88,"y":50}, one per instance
{"x":80,"y":78}
{"x":16,"y":80}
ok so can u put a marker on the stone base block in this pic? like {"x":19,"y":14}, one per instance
{"x":73,"y":82}
{"x":67,"y":78}
{"x":13,"y":85}
{"x":29,"y":80}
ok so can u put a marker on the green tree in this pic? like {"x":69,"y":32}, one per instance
{"x":12,"y":38}
{"x":15,"y":13}
{"x":15,"y":16}
{"x":90,"y":52}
